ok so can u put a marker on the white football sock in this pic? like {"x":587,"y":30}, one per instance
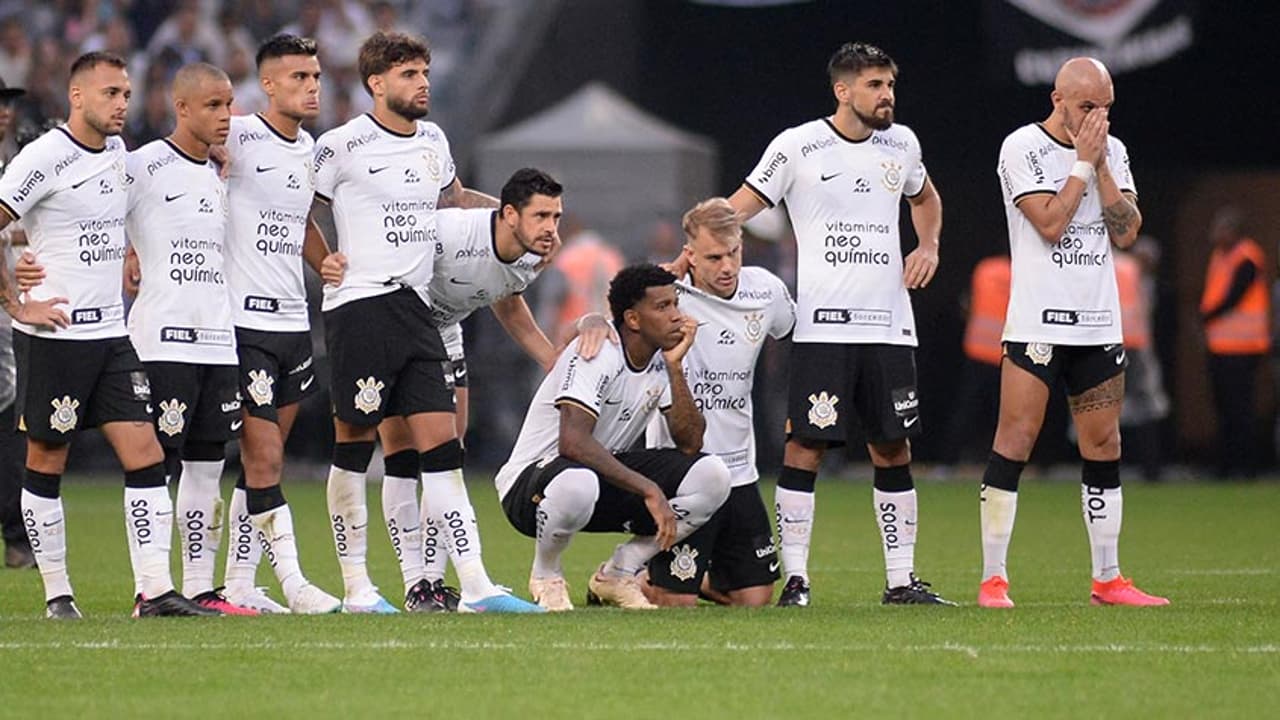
{"x":404,"y":525}
{"x":245,"y":549}
{"x":794,"y":512}
{"x":567,"y":504}
{"x":896,"y":518}
{"x":148,"y":519}
{"x":435,"y":557}
{"x":47,"y":532}
{"x":444,"y":499}
{"x":998,"y":509}
{"x":702,"y":491}
{"x":199,"y":523}
{"x":349,"y":519}
{"x":275,"y":528}
{"x":1103,"y":510}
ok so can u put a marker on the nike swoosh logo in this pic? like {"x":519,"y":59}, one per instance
{"x":375,"y":171}
{"x":76,"y":186}
{"x":261,"y":169}
{"x":773,"y":567}
{"x":171,"y":198}
{"x":456,"y":281}
{"x":460,"y":373}
{"x":236,"y":425}
{"x":307,"y":383}
{"x":612,"y":402}
{"x":1120,"y":358}
{"x":55,"y":522}
{"x":150,"y":409}
{"x":825,"y":178}
{"x":910,"y":421}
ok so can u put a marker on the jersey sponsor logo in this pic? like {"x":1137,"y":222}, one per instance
{"x":726,"y":337}
{"x":155,"y":165}
{"x":747,"y":294}
{"x":141,"y":386}
{"x":250,"y":136}
{"x":254,"y":303}
{"x":301,"y":366}
{"x":885,"y":140}
{"x":861,"y":186}
{"x":260,"y":387}
{"x":892,"y":178}
{"x":105,"y":187}
{"x":362,"y":140}
{"x":844,"y":243}
{"x":684,"y":562}
{"x":293,"y":183}
{"x":196,"y":336}
{"x":822,"y":410}
{"x":471,"y":253}
{"x":401,"y":221}
{"x":275,"y":228}
{"x":206,"y":206}
{"x":323,"y":155}
{"x":816,"y":145}
{"x":1079,"y":318}
{"x":853,"y":316}
{"x":369,"y":395}
{"x":231,"y":405}
{"x":411,"y":176}
{"x":67,"y":161}
{"x":775,"y":162}
{"x":905,"y":401}
{"x":1040,"y":353}
{"x":754,"y":327}
{"x":189,"y":259}
{"x":766,"y":551}
{"x":92,"y":316}
{"x":171,"y":421}
{"x":64,"y":415}
{"x":1070,"y":250}
{"x":29,"y":183}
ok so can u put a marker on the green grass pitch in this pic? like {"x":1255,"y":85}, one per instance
{"x":1214,"y":653}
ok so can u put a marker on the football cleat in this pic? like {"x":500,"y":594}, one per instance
{"x":1121,"y":591}
{"x":551,"y":593}
{"x":62,"y":607}
{"x":446,"y":595}
{"x":254,"y":598}
{"x":917,"y":592}
{"x":368,"y":602}
{"x":311,"y":600}
{"x":623,"y":592}
{"x":503,"y":602}
{"x":171,"y":604}
{"x":795,"y":593}
{"x":215,"y":600}
{"x":421,"y":598}
{"x":994,"y":593}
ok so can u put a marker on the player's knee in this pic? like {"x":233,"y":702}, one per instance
{"x":758,"y":596}
{"x":1016,"y":438}
{"x":892,"y":453}
{"x":709,"y":479}
{"x":572,"y":494}
{"x":1101,"y":446}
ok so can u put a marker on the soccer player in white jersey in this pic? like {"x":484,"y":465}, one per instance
{"x":385,"y":173}
{"x":843,"y":178}
{"x":76,"y":366}
{"x":270,"y":189}
{"x":572,"y":468}
{"x":733,"y":559}
{"x":180,"y":323}
{"x":1068,"y":195}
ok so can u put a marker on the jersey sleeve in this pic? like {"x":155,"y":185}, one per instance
{"x":1021,"y":172}
{"x":27,"y":180}
{"x":773,"y":175}
{"x":449,"y":171}
{"x":327,"y":165}
{"x":584,"y":382}
{"x":782,"y":311}
{"x":135,"y":177}
{"x":914,"y":184}
{"x":1118,"y":161}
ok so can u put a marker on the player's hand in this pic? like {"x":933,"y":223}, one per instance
{"x":593,"y":330}
{"x":920,"y":265}
{"x":132,"y":272}
{"x":1091,"y":140}
{"x":663,"y":517}
{"x":689,"y":327}
{"x":29,"y":272}
{"x":678,"y":267}
{"x":43,"y":314}
{"x":220,"y":157}
{"x":333,"y":268}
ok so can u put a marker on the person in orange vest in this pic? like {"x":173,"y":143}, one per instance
{"x":1236,"y":309}
{"x":1145,"y":402}
{"x":577,"y":282}
{"x":978,"y":400}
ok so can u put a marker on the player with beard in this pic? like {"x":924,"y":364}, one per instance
{"x":843,"y":178}
{"x":384,"y":174}
{"x":76,"y":366}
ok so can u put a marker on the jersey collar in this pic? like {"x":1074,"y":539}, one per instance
{"x":274,"y":131}
{"x":183,"y":153}
{"x":388,"y":130}
{"x":844,"y":137}
{"x":79,"y":144}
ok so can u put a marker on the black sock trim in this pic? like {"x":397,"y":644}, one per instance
{"x":240,"y":481}
{"x":42,"y":484}
{"x":1002,"y":473}
{"x":403,"y":464}
{"x":893,"y":479}
{"x":204,"y":451}
{"x":172,"y":464}
{"x":353,"y":456}
{"x":260,"y":500}
{"x":440,"y":458}
{"x":1104,"y":474}
{"x":147,"y":477}
{"x":797,"y":480}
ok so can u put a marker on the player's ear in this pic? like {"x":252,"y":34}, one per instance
{"x":74,"y":96}
{"x":376,"y":85}
{"x":510,"y":214}
{"x":631,"y":318}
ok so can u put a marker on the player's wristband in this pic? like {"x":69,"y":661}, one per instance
{"x":1082,"y":170}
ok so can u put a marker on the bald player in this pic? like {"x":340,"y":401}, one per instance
{"x":76,"y":367}
{"x":1068,"y":196}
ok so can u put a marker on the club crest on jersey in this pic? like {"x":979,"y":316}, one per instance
{"x":684,"y":563}
{"x":311,"y":175}
{"x":755,"y":326}
{"x":369,"y":394}
{"x":121,"y":175}
{"x":64,"y":414}
{"x":171,"y":421}
{"x":433,"y":164}
{"x":653,"y":396}
{"x":822,"y":410}
{"x":1040,"y":353}
{"x":260,"y":389}
{"x":892,"y":176}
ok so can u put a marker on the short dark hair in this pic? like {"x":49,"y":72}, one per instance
{"x":856,"y":57}
{"x":524,"y":184}
{"x":91,"y":60}
{"x":630,"y":284}
{"x":284,"y":44}
{"x":384,"y":50}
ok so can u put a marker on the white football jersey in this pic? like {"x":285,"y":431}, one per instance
{"x":1063,"y":293}
{"x":270,"y":189}
{"x":73,"y":201}
{"x":720,"y":366}
{"x":622,"y":399}
{"x":468,"y":273}
{"x":383,"y":187}
{"x":178,"y":225}
{"x":844,"y":197}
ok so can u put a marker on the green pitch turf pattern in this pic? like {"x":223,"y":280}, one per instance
{"x":1214,"y":653}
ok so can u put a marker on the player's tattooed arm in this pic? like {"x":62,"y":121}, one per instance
{"x":456,"y":196}
{"x":684,"y":421}
{"x":40,"y":313}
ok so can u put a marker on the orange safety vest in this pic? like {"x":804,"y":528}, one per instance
{"x":1244,"y":329}
{"x":989,"y":303}
{"x":1133,"y":305}
{"x":588,"y":265}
